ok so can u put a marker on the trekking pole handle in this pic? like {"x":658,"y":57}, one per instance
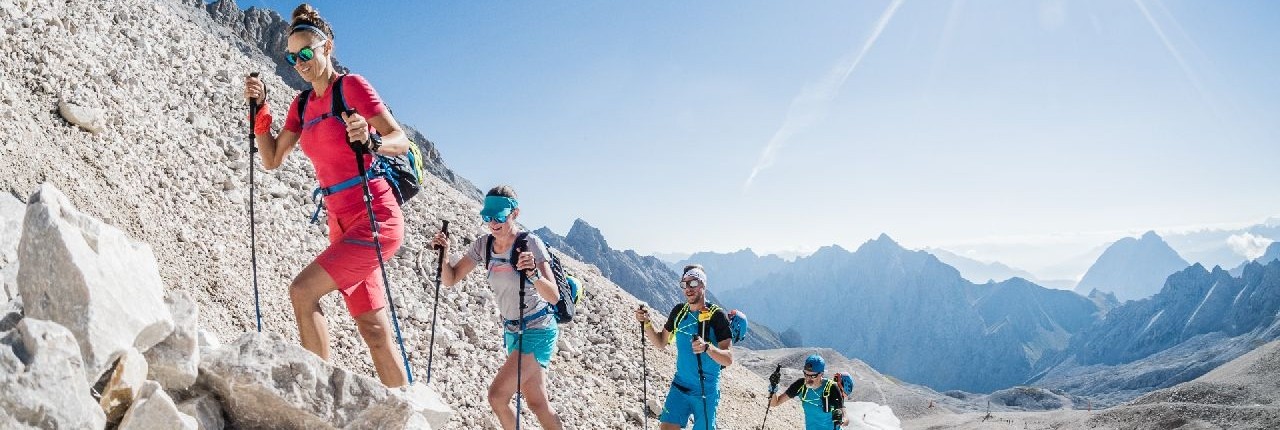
{"x":444,"y":229}
{"x":253,"y":102}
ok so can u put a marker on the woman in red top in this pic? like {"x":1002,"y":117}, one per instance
{"x":349,"y":265}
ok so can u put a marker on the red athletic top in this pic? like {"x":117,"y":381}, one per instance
{"x":325,"y":141}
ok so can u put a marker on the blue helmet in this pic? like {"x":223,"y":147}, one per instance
{"x":846,"y":382}
{"x":815,"y":363}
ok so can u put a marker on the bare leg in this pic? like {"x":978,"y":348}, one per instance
{"x":534,"y":388}
{"x":375,"y":329}
{"x":502,"y":390}
{"x":305,"y":293}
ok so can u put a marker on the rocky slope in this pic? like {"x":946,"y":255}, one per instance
{"x":152,"y":140}
{"x":1240,"y":394}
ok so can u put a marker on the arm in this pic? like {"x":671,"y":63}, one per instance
{"x":722,"y":351}
{"x":273,"y":149}
{"x":370,"y":110}
{"x":451,"y":273}
{"x":659,"y":338}
{"x":790,"y":392}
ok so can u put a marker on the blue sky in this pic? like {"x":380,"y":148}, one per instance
{"x":961,"y":124}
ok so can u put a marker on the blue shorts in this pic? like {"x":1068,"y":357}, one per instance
{"x":541,"y":342}
{"x":682,"y":403}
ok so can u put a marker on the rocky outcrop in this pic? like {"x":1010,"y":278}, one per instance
{"x":268,"y":382}
{"x":43,"y":379}
{"x":123,"y":384}
{"x":92,"y":279}
{"x":154,"y":409}
{"x":173,"y":361}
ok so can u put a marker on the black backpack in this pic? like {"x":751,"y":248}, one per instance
{"x":570,"y":288}
{"x":404,"y":172}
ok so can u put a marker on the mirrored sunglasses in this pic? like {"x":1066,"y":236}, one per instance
{"x":304,"y":54}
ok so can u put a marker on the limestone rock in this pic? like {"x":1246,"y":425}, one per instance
{"x":41,"y":372}
{"x":173,"y":362}
{"x":206,"y":410}
{"x":266,"y":381}
{"x":11,"y":213}
{"x":87,"y":118}
{"x":90,"y":278}
{"x":123,"y":385}
{"x":154,"y":409}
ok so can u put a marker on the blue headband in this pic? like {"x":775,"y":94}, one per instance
{"x":312,"y":29}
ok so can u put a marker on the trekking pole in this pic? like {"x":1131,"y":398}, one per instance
{"x":435,"y":309}
{"x":701,"y":380}
{"x":360,"y":150}
{"x":644,"y":377}
{"x":253,"y":187}
{"x":773,"y":389}
{"x":519,"y":248}
{"x":837,"y":416}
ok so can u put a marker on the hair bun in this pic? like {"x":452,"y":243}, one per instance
{"x":304,"y":14}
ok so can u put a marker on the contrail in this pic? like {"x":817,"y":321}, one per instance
{"x":1177,"y":55}
{"x":811,"y":105}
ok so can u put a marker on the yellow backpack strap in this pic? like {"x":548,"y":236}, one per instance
{"x":675,"y":326}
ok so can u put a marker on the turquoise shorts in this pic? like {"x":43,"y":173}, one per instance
{"x":541,"y":342}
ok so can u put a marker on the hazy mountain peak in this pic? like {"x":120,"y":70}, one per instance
{"x":883,"y":243}
{"x":581,"y":232}
{"x":1133,"y":268}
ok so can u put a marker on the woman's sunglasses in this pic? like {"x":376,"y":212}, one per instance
{"x":304,"y":54}
{"x":692,"y":283}
{"x":487,"y":218}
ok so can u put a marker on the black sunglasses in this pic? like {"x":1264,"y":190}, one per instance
{"x":811,"y":375}
{"x":304,"y":54}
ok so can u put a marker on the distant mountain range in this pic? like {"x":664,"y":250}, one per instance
{"x":1132,"y":268}
{"x":1271,"y":254}
{"x":912,"y":316}
{"x":1199,"y":320}
{"x":733,"y":270}
{"x":981,"y":272}
{"x":645,"y":277}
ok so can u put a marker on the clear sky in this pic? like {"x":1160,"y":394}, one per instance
{"x":688,"y":126}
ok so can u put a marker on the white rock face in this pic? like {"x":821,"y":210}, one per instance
{"x":173,"y":362}
{"x":11,"y":213}
{"x":41,"y":372}
{"x":428,"y":403}
{"x":90,"y":278}
{"x":154,"y":409}
{"x":123,"y":385}
{"x":206,"y":410}
{"x":268,"y":382}
{"x":87,"y":118}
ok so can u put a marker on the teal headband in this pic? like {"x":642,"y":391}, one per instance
{"x":498,"y":205}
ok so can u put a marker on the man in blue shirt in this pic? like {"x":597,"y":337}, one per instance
{"x":700,"y":332}
{"x":819,"y":397}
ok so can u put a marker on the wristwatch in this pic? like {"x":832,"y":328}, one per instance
{"x":375,"y":142}
{"x":535,"y":276}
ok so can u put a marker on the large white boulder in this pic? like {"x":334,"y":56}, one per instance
{"x":43,"y":380}
{"x":154,"y":409}
{"x":173,"y":362}
{"x":265,"y":381}
{"x":90,"y":278}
